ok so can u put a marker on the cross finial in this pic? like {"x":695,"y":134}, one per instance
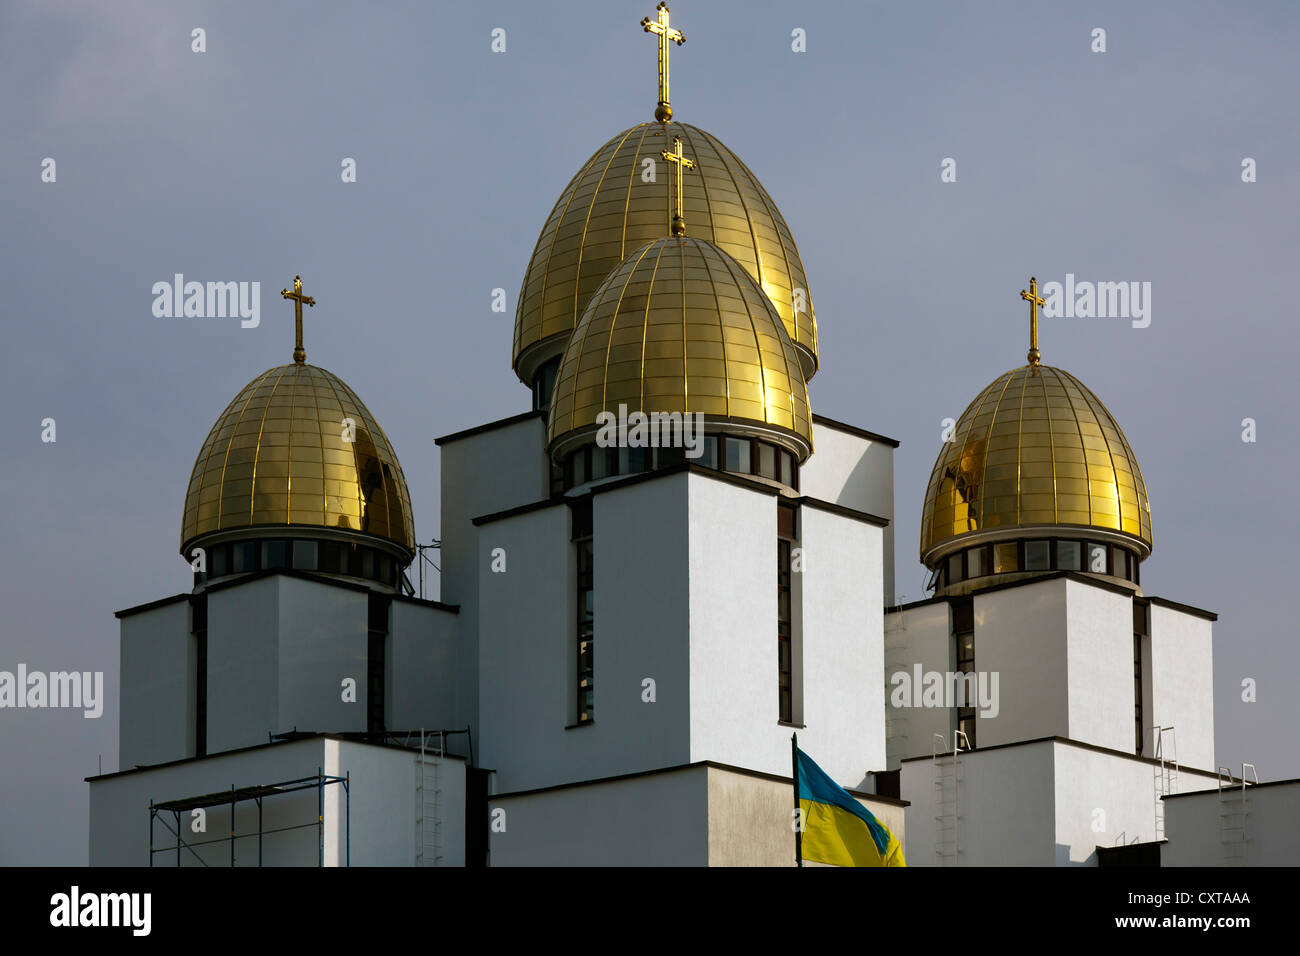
{"x":299,"y":354}
{"x":1034,"y":300}
{"x":666,"y":34}
{"x":678,"y":160}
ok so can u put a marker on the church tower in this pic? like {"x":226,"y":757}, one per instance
{"x":1040,"y":658}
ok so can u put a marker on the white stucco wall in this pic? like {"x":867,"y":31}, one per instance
{"x":734,"y":702}
{"x":1182,"y":683}
{"x":1047,"y":803}
{"x":494,"y":470}
{"x":843,"y":646}
{"x":158,"y":666}
{"x":322,"y":641}
{"x":1197,"y":837}
{"x":1005,"y":801}
{"x":1106,"y":800}
{"x":243,"y":664}
{"x":421,"y":664}
{"x":651,"y":820}
{"x":1100,"y":666}
{"x":919,"y":635}
{"x":856,"y":472}
{"x":1020,"y":634}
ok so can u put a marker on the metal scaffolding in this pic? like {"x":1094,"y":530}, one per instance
{"x":236,"y":795}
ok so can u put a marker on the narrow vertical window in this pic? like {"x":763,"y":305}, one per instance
{"x":963,"y":620}
{"x":586,"y":603}
{"x":785,"y":643}
{"x":377,"y":637}
{"x":1139,"y":632}
{"x":199,"y":627}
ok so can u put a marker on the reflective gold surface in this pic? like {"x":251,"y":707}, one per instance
{"x":680,"y":327}
{"x":299,"y":300}
{"x":1035,"y":448}
{"x":667,"y":35}
{"x":1035,"y":300}
{"x":607,"y":211}
{"x":278,"y":456}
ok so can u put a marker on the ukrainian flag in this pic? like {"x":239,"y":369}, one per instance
{"x":836,"y":828}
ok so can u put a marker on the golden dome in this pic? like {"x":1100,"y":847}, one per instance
{"x":681,"y":327}
{"x":1035,"y":448}
{"x":278,"y":456}
{"x":607,"y":210}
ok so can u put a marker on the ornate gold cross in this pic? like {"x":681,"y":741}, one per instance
{"x":678,"y":160}
{"x":666,"y":34}
{"x":1034,"y":300}
{"x":299,"y":354}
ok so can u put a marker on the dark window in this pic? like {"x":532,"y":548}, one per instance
{"x":332,"y":557}
{"x":367,"y":563}
{"x":1006,"y":557}
{"x":638,"y":460}
{"x":785,"y":521}
{"x":785,"y":657}
{"x":586,"y":631}
{"x":977,"y":562}
{"x":199,"y":627}
{"x":767,"y":460}
{"x":1038,"y":555}
{"x":1118,"y":561}
{"x":738,"y":455}
{"x":709,"y":453}
{"x":787,"y":468}
{"x":306,"y":555}
{"x":1096,"y":562}
{"x":377,"y":614}
{"x":384,"y":569}
{"x":219,"y":561}
{"x":1137,"y":693}
{"x":578,"y":468}
{"x":964,"y":638}
{"x":954,"y":568}
{"x":1068,"y":557}
{"x":274,"y":554}
{"x":544,"y":384}
{"x":668,"y":457}
{"x":244,"y":556}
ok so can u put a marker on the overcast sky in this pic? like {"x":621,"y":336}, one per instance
{"x":225,"y":165}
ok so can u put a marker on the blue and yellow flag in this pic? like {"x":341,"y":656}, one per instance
{"x":836,"y":828}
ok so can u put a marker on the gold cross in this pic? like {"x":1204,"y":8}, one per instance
{"x":677,"y":159}
{"x":1034,"y":300}
{"x":299,"y":355}
{"x":666,"y":34}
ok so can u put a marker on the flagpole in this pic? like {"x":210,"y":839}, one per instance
{"x":794,"y":774}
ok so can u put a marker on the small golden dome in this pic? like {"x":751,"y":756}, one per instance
{"x":280,"y":455}
{"x":681,"y":327}
{"x":1035,"y":448}
{"x":608,"y":209}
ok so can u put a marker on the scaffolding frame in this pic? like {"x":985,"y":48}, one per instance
{"x":236,"y":795}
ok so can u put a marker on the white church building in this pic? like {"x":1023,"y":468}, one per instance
{"x":630,"y":628}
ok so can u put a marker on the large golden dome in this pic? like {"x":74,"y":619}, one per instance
{"x":608,"y":210}
{"x":278,"y":456}
{"x":1035,"y":448}
{"x":681,"y":327}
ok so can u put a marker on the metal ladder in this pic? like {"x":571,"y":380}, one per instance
{"x":1234,"y":815}
{"x":897,"y":724}
{"x":1166,"y":774}
{"x":428,"y":821}
{"x":947,"y":782}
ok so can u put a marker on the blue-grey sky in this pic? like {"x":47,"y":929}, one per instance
{"x":225,"y":165}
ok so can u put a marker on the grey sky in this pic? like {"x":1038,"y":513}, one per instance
{"x":225,"y":166}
